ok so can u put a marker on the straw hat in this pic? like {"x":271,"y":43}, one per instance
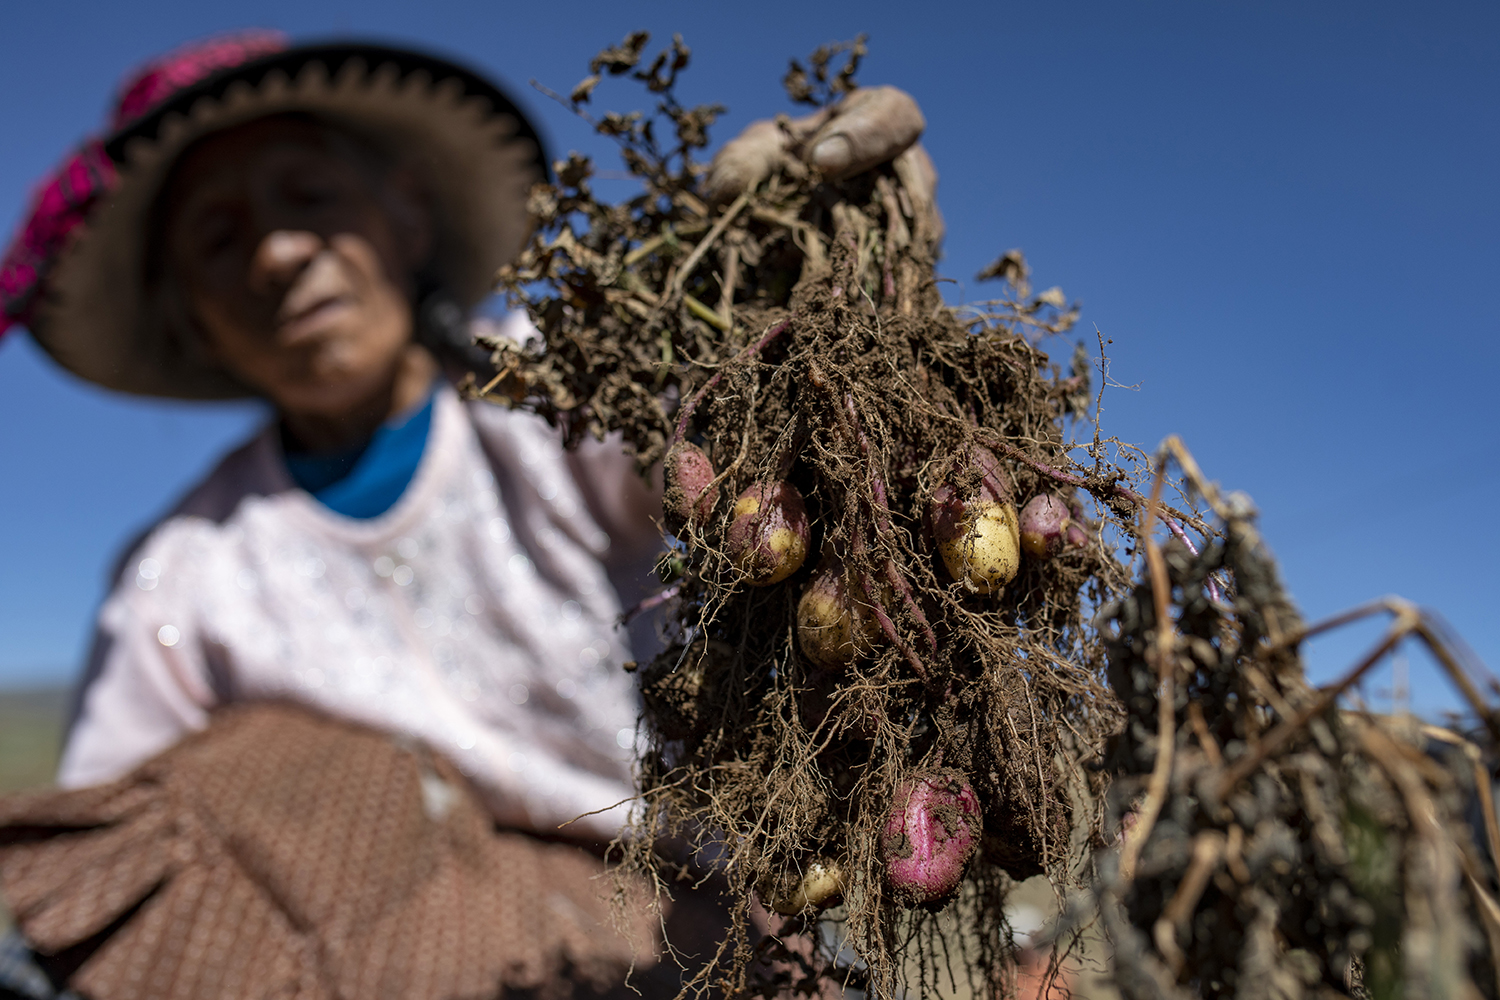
{"x":75,"y":271}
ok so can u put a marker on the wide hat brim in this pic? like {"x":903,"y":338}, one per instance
{"x":476,"y":151}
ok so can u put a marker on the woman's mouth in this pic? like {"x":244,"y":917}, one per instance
{"x":313,"y":321}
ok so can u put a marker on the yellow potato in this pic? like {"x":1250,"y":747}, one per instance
{"x":835,"y":623}
{"x":986,"y":554}
{"x":821,"y":885}
{"x":825,"y":625}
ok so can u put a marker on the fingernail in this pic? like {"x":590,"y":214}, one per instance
{"x":832,"y":154}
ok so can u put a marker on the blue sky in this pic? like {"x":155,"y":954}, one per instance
{"x":1285,"y":215}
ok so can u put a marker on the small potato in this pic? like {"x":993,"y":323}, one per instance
{"x":768,"y":537}
{"x":690,"y":494}
{"x":1044,"y":526}
{"x":984,"y":554}
{"x":833,"y":624}
{"x":825,"y":622}
{"x":821,"y":885}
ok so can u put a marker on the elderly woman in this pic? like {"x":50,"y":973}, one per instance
{"x":354,"y":723}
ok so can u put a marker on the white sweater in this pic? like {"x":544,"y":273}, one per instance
{"x":476,"y":615}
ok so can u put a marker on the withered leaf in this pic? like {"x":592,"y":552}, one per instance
{"x":1010,"y":267}
{"x":623,"y":57}
{"x":692,"y":125}
{"x":821,"y":90}
{"x":1053,"y":297}
{"x":573,"y":172}
{"x":615,"y":123}
{"x":662,"y":75}
{"x":797,"y":86}
{"x":585,"y":88}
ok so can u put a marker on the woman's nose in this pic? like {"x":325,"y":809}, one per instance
{"x":280,"y":257}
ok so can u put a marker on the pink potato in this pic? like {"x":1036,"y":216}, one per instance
{"x":1045,"y":524}
{"x":930,"y":836}
{"x":690,"y":495}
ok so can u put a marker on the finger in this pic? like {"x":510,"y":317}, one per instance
{"x":917,"y":174}
{"x":801,"y":129}
{"x":751,"y":156}
{"x":871,"y":126}
{"x":746,"y":160}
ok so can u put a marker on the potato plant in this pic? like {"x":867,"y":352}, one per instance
{"x":884,"y":697}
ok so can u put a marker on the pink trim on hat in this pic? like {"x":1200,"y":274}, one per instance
{"x":60,"y":204}
{"x":64,"y":199}
{"x":160,"y":78}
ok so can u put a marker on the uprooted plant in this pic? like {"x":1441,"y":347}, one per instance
{"x":880,"y":680}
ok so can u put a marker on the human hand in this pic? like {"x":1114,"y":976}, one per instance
{"x":870,"y":126}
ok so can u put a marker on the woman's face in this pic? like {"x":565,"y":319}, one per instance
{"x":296,"y":256}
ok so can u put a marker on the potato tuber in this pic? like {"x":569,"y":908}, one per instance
{"x":690,"y":495}
{"x":769,"y":535}
{"x":834,"y":625}
{"x":930,"y":836}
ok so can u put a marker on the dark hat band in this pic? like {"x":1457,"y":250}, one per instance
{"x":333,"y":57}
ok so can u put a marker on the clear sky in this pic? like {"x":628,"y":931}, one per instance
{"x":1286,"y":216}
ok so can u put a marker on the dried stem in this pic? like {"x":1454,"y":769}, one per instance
{"x":1289,"y":728}
{"x":1108,"y":489}
{"x":691,"y":406}
{"x":708,"y":241}
{"x":1162,"y":651}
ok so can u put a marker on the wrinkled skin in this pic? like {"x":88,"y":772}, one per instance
{"x":870,"y":126}
{"x":293,"y":254}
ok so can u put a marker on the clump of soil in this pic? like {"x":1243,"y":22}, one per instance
{"x":1274,"y":846}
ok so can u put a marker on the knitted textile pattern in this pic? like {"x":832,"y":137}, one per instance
{"x":64,"y":200}
{"x":283,"y":854}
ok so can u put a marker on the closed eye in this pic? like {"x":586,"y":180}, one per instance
{"x":312,"y":188}
{"x":216,"y":233}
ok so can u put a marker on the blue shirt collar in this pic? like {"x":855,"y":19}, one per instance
{"x":366,"y":481}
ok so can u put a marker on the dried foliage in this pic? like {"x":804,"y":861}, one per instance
{"x":1275,"y":846}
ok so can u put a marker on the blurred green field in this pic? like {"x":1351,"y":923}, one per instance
{"x":31,"y":724}
{"x":30,"y":736}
